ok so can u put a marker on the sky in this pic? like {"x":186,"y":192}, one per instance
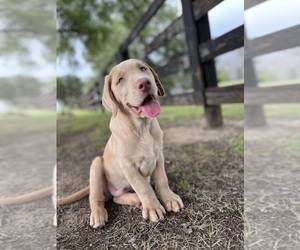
{"x":271,"y":16}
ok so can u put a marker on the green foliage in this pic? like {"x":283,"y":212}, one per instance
{"x":23,"y":22}
{"x":266,"y":76}
{"x":222,"y":76}
{"x":101,"y":26}
{"x":69,"y":90}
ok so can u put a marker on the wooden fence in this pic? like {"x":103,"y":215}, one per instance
{"x":256,"y":97}
{"x":199,"y":60}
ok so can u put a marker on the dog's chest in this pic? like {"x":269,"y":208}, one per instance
{"x":146,"y":166}
{"x":148,"y":160}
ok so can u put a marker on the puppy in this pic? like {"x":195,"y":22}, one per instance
{"x":133,"y":153}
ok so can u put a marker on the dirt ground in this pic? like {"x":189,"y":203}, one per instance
{"x":202,"y":167}
{"x":272,"y":187}
{"x":26,"y":160}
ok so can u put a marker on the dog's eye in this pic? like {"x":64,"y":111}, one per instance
{"x":121,"y":79}
{"x":142,"y":68}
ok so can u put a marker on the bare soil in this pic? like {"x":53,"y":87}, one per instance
{"x":202,"y":167}
{"x":272,"y":187}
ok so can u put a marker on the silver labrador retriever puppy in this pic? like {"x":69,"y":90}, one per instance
{"x":133,"y":153}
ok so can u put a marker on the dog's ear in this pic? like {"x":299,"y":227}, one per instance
{"x":161,"y":91}
{"x":108,"y":99}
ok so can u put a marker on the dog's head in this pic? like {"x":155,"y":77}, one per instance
{"x":132,"y":86}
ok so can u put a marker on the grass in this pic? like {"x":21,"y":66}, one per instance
{"x":83,"y":120}
{"x":230,"y":83}
{"x":233,"y":110}
{"x":27,"y":122}
{"x":279,"y":83}
{"x":237,"y":145}
{"x":282,"y":110}
{"x":170,"y":114}
{"x":291,"y":145}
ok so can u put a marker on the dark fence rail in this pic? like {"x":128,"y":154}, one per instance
{"x":256,"y":97}
{"x":199,"y":60}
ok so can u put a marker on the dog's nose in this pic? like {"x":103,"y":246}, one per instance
{"x":144,"y":85}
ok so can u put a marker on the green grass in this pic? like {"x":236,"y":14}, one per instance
{"x":233,"y":110}
{"x":282,"y":110}
{"x":28,"y":113}
{"x":27,"y":122}
{"x":230,"y":83}
{"x":279,"y":83}
{"x":83,"y":120}
{"x":238,"y":145}
{"x":170,"y":114}
{"x":98,"y":123}
{"x":291,"y":145}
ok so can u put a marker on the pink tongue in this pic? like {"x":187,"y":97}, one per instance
{"x":151,"y":109}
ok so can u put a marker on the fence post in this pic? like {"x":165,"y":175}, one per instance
{"x":254,"y":114}
{"x":213,"y":112}
{"x":203,"y":75}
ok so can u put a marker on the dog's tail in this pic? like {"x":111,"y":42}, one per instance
{"x":42,"y":193}
{"x":73,"y":197}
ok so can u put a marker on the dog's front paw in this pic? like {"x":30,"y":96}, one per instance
{"x":98,"y":217}
{"x":171,"y":201}
{"x":154,"y":211}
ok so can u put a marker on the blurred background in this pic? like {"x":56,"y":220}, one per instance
{"x":27,"y":120}
{"x":272,"y":120}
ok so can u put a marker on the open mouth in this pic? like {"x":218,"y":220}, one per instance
{"x":150,"y":107}
{"x":148,"y":99}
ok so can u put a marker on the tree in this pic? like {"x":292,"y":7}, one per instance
{"x":27,"y":35}
{"x":20,"y":91}
{"x":101,"y":26}
{"x":69,"y":90}
{"x":23,"y":22}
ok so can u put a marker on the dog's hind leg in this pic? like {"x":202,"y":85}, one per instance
{"x":128,"y":199}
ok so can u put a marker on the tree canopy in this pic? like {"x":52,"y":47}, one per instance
{"x":21,"y":91}
{"x":69,"y":90}
{"x":102,"y":25}
{"x":23,"y":22}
